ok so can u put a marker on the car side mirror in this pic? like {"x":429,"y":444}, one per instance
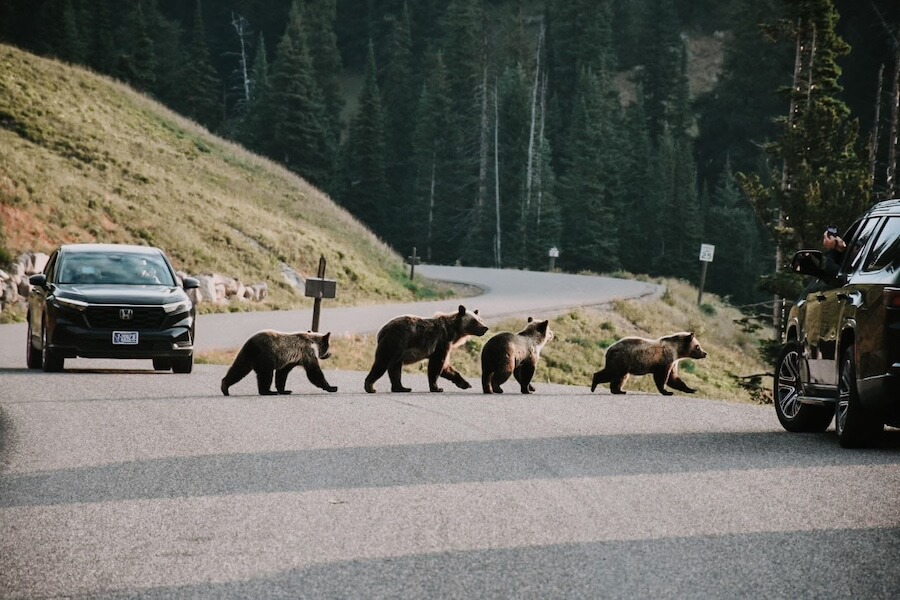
{"x":809,"y":262}
{"x":190,"y":283}
{"x":38,"y":280}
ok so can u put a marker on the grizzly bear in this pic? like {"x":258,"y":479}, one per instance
{"x":272,"y":352}
{"x":408,"y":339}
{"x":639,"y":356}
{"x":513,"y":354}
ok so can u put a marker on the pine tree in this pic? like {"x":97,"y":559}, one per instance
{"x":136,"y":61}
{"x":250,"y":129}
{"x":400,"y":101}
{"x":200,"y":85}
{"x":435,"y":188}
{"x":319,"y":17}
{"x":589,"y":211}
{"x":294,"y":110}
{"x":821,"y":176}
{"x":363,"y":189}
{"x":98,"y":22}
{"x":661,"y":59}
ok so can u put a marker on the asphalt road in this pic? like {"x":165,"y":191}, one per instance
{"x":119,"y":482}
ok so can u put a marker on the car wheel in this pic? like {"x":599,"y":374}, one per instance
{"x":793,"y":415}
{"x":162,"y":364}
{"x":51,"y":361}
{"x":183,"y":365}
{"x":856,"y":427}
{"x":32,"y":356}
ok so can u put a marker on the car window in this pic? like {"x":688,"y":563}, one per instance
{"x":855,"y":247}
{"x":114,"y":269}
{"x":886,"y":248}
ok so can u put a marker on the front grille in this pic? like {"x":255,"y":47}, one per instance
{"x":109,"y":317}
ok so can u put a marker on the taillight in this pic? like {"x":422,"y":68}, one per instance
{"x":892,"y":297}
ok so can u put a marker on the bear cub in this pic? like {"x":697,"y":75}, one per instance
{"x":640,"y":356}
{"x":275,"y":353}
{"x":513,"y":354}
{"x":408,"y":339}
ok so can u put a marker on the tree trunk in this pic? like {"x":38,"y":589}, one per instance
{"x":498,"y":257}
{"x":240,"y":27}
{"x":876,"y":122}
{"x":431,"y":208}
{"x":890,"y":181}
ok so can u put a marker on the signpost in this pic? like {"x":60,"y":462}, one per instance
{"x":706,"y":256}
{"x":318,"y":288}
{"x":553,"y":253}
{"x":413,"y":261}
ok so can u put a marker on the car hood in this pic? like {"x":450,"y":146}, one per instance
{"x":144,"y":295}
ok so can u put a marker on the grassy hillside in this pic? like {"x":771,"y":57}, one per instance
{"x":87,"y":159}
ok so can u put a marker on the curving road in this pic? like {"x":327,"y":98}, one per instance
{"x":118,"y":482}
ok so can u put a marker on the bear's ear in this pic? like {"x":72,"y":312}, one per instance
{"x":530,"y":319}
{"x":326,"y":336}
{"x":462,"y":309}
{"x":475,"y":311}
{"x":690,"y":335}
{"x":542,"y":327}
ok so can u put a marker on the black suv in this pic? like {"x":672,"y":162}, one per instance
{"x":110,"y":301}
{"x":841,"y":356}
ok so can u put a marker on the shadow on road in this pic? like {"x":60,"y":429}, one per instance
{"x":442,"y":463}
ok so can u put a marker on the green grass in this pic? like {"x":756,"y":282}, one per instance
{"x":86,"y":159}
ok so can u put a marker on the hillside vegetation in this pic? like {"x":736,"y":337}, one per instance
{"x":86,"y":159}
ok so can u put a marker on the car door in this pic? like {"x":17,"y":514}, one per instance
{"x":37,"y":300}
{"x":839,"y":302}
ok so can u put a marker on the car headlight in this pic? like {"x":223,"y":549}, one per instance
{"x":69,"y":303}
{"x":177,"y":307}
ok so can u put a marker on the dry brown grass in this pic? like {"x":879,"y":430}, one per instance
{"x":88,"y":159}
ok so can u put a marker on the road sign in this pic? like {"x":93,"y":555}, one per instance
{"x":706,"y":252}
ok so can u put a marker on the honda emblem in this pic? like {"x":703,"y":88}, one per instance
{"x":126,"y":314}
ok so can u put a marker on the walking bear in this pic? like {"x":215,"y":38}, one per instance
{"x":271,"y":352}
{"x":640,"y":356}
{"x":408,"y":339}
{"x":513,"y":354}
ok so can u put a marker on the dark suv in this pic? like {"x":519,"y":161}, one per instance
{"x":841,"y":356}
{"x":110,"y":301}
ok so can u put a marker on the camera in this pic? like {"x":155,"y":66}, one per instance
{"x":831,"y":231}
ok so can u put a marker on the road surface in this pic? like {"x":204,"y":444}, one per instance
{"x":120,"y":482}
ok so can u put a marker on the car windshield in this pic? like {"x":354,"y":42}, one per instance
{"x":110,"y":268}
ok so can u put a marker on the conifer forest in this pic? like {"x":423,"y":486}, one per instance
{"x":625,"y":133}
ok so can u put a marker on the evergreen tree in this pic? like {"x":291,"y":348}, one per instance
{"x":514,"y":119}
{"x":319,"y":17}
{"x":200,"y":85}
{"x":589,"y":211}
{"x":433,"y":219}
{"x":294,"y":110}
{"x":97,"y":21}
{"x":250,"y":129}
{"x":733,"y":229}
{"x":170,"y":54}
{"x":400,"y":100}
{"x":820,"y":177}
{"x":136,"y":61}
{"x":363,"y":188}
{"x":661,"y":59}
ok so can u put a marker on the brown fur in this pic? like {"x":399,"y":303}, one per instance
{"x":513,"y":354}
{"x":640,"y":356}
{"x":408,"y":339}
{"x":272,"y":352}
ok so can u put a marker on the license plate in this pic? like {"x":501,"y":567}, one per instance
{"x":125,"y":338}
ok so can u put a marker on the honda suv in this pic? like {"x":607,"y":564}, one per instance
{"x":110,"y":301}
{"x":841,"y":354}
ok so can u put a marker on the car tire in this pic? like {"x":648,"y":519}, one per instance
{"x":162,"y":364}
{"x":183,"y":365}
{"x":50,"y":360}
{"x":794,"y":416}
{"x":856,"y":427}
{"x":32,"y":356}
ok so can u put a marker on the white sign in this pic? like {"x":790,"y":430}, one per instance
{"x":706,"y":252}
{"x":554,"y":252}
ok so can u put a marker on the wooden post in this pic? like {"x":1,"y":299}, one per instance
{"x":413,"y":261}
{"x":317,"y":302}
{"x":702,"y":282}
